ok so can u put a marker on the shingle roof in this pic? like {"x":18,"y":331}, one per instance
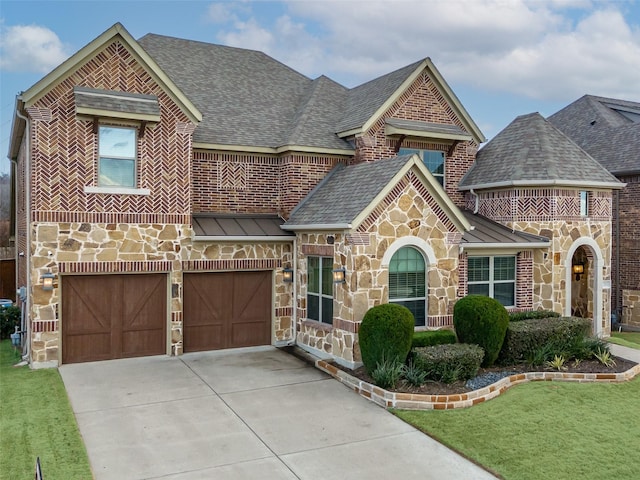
{"x":531,"y":151}
{"x":607,"y":128}
{"x":487,"y":232}
{"x":363,"y":101}
{"x":345,"y":192}
{"x":427,"y":127}
{"x":246,"y":97}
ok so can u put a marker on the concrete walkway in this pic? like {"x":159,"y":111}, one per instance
{"x":625,"y":352}
{"x":243,"y":414}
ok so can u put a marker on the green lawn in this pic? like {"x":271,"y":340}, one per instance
{"x":36,"y":421}
{"x":554,"y":430}
{"x":626,"y":339}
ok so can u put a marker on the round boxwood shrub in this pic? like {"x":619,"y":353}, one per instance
{"x":483,"y":321}
{"x":385,"y":335}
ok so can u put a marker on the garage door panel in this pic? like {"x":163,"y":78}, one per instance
{"x":226,"y":310}
{"x":113,"y":316}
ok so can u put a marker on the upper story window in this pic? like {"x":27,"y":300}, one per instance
{"x":493,"y":277}
{"x":584,"y":203}
{"x":433,"y":159}
{"x":407,"y":282}
{"x":320,"y":289}
{"x":117,"y":150}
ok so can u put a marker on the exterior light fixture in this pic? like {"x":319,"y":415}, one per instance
{"x":287,"y":275}
{"x":339,"y":275}
{"x":47,"y":281}
{"x":578,"y":269}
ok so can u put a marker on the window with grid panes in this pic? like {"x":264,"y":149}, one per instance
{"x":320,"y":289}
{"x":407,"y":282}
{"x":493,"y":277}
{"x":433,"y":159}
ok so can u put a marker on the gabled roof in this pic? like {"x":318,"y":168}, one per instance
{"x":347,"y":195}
{"x":607,"y":128}
{"x":367,"y":102}
{"x":487,"y":234}
{"x":69,"y":66}
{"x":530,"y":151}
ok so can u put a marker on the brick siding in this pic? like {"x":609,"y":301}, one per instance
{"x":629,"y":213}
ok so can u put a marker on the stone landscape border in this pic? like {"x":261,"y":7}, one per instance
{"x":413,"y":401}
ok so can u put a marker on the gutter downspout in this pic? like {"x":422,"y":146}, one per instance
{"x":477,"y":205}
{"x":27,"y":200}
{"x":294,"y":314}
{"x":617,"y":260}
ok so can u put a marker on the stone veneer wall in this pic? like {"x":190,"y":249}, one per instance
{"x":554,"y":213}
{"x":407,"y":211}
{"x":85,"y":248}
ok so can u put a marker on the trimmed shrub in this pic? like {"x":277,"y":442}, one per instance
{"x":450,"y":362}
{"x":433,"y":337}
{"x":385,"y":334}
{"x":553,"y":334}
{"x":483,"y":321}
{"x":518,"y":316}
{"x":9,"y":320}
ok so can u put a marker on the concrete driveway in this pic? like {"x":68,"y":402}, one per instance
{"x":242,"y":414}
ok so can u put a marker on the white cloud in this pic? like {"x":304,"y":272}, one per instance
{"x":30,"y":48}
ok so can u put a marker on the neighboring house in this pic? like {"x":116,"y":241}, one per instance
{"x":178,"y":196}
{"x":609,"y":130}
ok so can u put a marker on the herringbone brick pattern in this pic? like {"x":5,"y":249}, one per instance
{"x":64,"y":147}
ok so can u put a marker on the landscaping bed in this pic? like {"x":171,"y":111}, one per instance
{"x":489,"y":375}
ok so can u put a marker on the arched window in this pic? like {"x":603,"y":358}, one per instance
{"x":407,"y":282}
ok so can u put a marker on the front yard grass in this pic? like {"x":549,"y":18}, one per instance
{"x":36,"y":420}
{"x":626,"y":339}
{"x":555,"y":430}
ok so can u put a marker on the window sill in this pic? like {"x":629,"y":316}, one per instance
{"x":117,"y":190}
{"x":327,"y":327}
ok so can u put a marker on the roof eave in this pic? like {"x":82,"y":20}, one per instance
{"x":18,"y":127}
{"x":516,"y":245}
{"x":65,"y":68}
{"x":543,"y":183}
{"x":318,"y":226}
{"x":243,"y":238}
{"x":442,"y":137}
{"x":271,"y":150}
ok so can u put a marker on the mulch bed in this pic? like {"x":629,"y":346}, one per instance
{"x":439,"y":388}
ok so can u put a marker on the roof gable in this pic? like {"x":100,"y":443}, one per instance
{"x":530,"y":151}
{"x":607,"y":128}
{"x":367,"y":103}
{"x":347,"y":195}
{"x":116,"y":33}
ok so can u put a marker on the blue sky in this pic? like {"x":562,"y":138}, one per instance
{"x":503,"y":58}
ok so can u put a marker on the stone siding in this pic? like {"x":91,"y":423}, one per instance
{"x":408,"y":213}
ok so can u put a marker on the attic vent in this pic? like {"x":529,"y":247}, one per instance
{"x":592,"y":123}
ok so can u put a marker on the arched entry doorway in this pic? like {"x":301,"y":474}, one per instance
{"x":584,"y":282}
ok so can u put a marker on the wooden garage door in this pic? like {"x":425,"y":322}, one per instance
{"x":113,"y":316}
{"x":226,"y":310}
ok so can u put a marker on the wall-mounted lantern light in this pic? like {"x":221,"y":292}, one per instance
{"x":287,"y":275}
{"x":47,"y":281}
{"x":339,"y":275}
{"x":578,"y":269}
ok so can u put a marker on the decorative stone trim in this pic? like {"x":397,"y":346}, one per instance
{"x":46,"y":216}
{"x":114,"y":267}
{"x":320,"y":250}
{"x":358,"y":238}
{"x":38,"y":326}
{"x":411,"y":401}
{"x":439,"y":320}
{"x":240,"y":264}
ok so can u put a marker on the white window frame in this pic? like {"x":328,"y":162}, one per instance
{"x":114,"y":157}
{"x":492,"y":282}
{"x":319,"y":294}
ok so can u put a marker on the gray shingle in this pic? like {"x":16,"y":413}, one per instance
{"x":530,"y":150}
{"x":426,"y":126}
{"x":363,"y":101}
{"x":346,"y":192}
{"x":607,"y":128}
